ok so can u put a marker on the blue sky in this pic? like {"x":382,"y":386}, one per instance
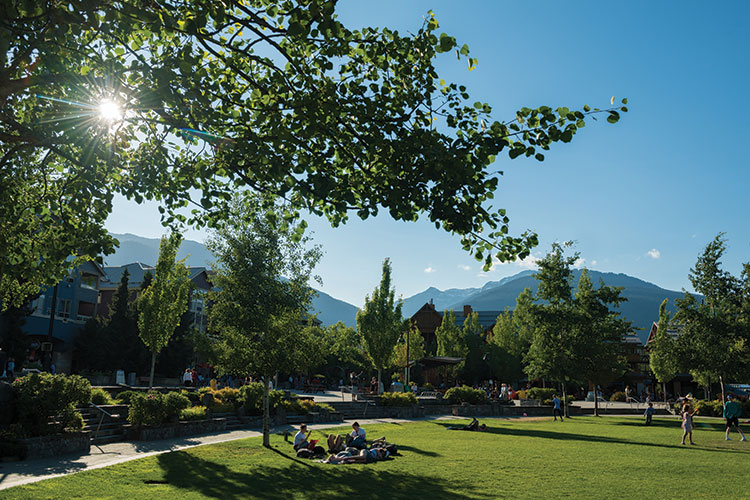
{"x":641,"y":197}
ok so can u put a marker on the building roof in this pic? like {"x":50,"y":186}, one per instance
{"x":137,"y":272}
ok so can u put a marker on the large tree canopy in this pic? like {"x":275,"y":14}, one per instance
{"x":187,"y":101}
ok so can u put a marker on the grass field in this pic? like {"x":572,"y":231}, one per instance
{"x":580,"y":458}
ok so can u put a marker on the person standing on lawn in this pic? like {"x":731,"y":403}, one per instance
{"x":687,"y":422}
{"x":556,"y":410}
{"x":732,"y":412}
{"x":649,"y":413}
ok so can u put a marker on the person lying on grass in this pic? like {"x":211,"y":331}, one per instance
{"x":473,"y":426}
{"x":363,"y":457}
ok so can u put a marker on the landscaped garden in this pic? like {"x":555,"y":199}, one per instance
{"x":585,"y":457}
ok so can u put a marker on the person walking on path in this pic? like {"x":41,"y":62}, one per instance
{"x":687,"y":422}
{"x":732,"y":411}
{"x":556,"y":408}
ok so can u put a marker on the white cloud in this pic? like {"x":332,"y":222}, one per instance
{"x":594,"y":262}
{"x":654,"y":253}
{"x":464,"y":267}
{"x":579,"y":263}
{"x":429,"y":270}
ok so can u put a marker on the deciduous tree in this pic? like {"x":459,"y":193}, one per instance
{"x":185,"y":102}
{"x":261,"y":294}
{"x":161,"y":305}
{"x":380,"y":321}
{"x":663,"y":357}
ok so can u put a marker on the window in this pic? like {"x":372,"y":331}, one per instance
{"x":63,"y":308}
{"x":88,"y":281}
{"x":37,"y":306}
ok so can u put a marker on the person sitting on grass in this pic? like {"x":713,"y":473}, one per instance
{"x":357,"y":438}
{"x":473,"y":426}
{"x":649,"y":413}
{"x":732,"y":411}
{"x":300,"y":439}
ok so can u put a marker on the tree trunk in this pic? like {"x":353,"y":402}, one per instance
{"x":596,"y":401}
{"x":565,"y":401}
{"x":664,"y":391}
{"x":266,"y":413}
{"x":151,"y":376}
{"x":379,"y":370}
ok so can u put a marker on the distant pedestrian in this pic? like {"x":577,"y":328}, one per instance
{"x":187,"y":378}
{"x":687,"y":422}
{"x":11,"y":367}
{"x":649,"y":413}
{"x":732,"y":412}
{"x":628,"y":393}
{"x":556,"y":408}
{"x":373,"y":385}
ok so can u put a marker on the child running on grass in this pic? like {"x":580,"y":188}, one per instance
{"x":649,"y":413}
{"x":687,"y":422}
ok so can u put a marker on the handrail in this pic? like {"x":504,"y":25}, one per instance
{"x":103,"y":412}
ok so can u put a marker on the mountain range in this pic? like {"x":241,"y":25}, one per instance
{"x":641,"y":308}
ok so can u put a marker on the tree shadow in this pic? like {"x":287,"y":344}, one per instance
{"x":570,"y":436}
{"x":418,"y":451}
{"x":186,"y":471}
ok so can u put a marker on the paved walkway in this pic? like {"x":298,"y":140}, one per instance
{"x":31,"y":471}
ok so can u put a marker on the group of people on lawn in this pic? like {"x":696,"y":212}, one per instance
{"x":349,"y":449}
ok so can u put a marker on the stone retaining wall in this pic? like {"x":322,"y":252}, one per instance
{"x":57,"y":444}
{"x":180,"y":429}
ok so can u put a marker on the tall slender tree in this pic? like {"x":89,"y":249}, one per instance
{"x":162,"y":304}
{"x":380,"y":322}
{"x":663,"y":358}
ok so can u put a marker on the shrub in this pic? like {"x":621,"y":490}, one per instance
{"x":520,"y":395}
{"x":428,"y":387}
{"x":542,"y":393}
{"x":194,"y":413}
{"x":251,"y":397}
{"x":398,"y":399}
{"x":100,"y":397}
{"x":204,"y":390}
{"x":193,"y":396}
{"x":174,"y":403}
{"x":324,"y":407}
{"x":708,"y":408}
{"x":228,"y":396}
{"x":147,"y":409}
{"x":40,"y":396}
{"x":465,"y":394}
{"x":618,"y":396}
{"x":125,"y":396}
{"x":220,"y":407}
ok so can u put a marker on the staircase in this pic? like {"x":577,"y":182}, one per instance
{"x":233,"y":421}
{"x":354,"y":409}
{"x":111,"y":428}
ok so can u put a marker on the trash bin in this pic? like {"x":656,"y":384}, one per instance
{"x":120,"y":377}
{"x":131,"y":378}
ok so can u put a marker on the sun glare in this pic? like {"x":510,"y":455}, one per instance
{"x":110,"y":111}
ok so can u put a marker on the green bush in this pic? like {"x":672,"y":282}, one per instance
{"x":398,"y":399}
{"x":40,"y":396}
{"x":303,"y":406}
{"x":100,"y":397}
{"x":324,"y":407}
{"x":221,"y":407}
{"x":174,"y":403}
{"x":228,"y":396}
{"x":125,"y":396}
{"x":251,"y":398}
{"x":146,"y":409}
{"x":618,"y":396}
{"x":521,"y":394}
{"x":194,"y":413}
{"x":193,"y":396}
{"x":542,"y":393}
{"x":465,"y":394}
{"x":708,"y":408}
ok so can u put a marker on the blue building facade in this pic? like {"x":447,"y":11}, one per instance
{"x":77,"y":301}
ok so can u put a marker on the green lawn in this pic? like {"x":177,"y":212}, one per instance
{"x":581,"y":458}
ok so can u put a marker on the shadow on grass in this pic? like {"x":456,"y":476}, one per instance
{"x":569,"y":436}
{"x":412,"y":449}
{"x":186,"y":471}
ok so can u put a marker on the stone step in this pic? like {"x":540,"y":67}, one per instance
{"x":112,"y":438}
